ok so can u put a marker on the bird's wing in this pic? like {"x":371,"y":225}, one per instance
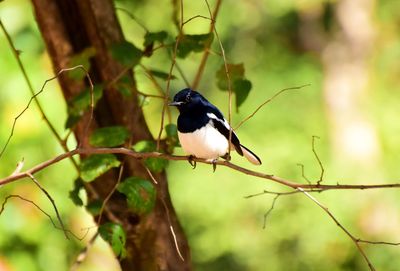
{"x":223,"y":127}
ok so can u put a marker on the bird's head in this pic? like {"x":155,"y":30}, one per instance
{"x":187,"y":99}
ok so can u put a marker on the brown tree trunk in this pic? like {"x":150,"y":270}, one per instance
{"x":68,"y":27}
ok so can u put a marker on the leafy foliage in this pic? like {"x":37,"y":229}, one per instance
{"x":83,"y":59}
{"x":124,"y":86}
{"x":242,"y":88}
{"x":109,"y":136}
{"x":74,"y":193}
{"x":153,"y":163}
{"x":97,"y":164}
{"x":140,"y":194}
{"x":94,"y":207}
{"x":152,"y":37}
{"x":80,"y":103}
{"x":161,"y":74}
{"x":126,"y":53}
{"x":114,"y":234}
{"x":172,"y":139}
{"x":193,"y":43}
{"x":240,"y":85}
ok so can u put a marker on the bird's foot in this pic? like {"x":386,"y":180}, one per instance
{"x":227,"y":157}
{"x":214,"y":164}
{"x":191,"y":161}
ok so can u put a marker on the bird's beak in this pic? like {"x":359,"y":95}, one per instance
{"x":175,"y":103}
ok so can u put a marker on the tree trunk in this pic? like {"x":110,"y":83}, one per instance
{"x":68,"y":27}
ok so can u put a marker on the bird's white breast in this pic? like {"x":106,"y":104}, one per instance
{"x":206,"y":143}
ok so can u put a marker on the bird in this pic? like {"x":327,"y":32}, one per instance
{"x":203,"y":131}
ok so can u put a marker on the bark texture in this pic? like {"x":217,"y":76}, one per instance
{"x":68,"y":27}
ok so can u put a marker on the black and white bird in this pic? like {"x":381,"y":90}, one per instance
{"x":203,"y":131}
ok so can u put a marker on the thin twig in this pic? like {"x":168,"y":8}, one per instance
{"x":171,"y":69}
{"x":196,"y":17}
{"x":267,"y":101}
{"x":19,"y":167}
{"x":270,"y":210}
{"x":52,"y":203}
{"x":34,"y":98}
{"x":43,"y":212}
{"x":303,"y":173}
{"x":176,"y":242}
{"x":266,"y":192}
{"x":30,"y":87}
{"x":151,"y":175}
{"x":91,"y":90}
{"x":206,"y":52}
{"x":181,"y":73}
{"x":150,"y":75}
{"x":133,"y":17}
{"x":114,"y":219}
{"x":168,"y":217}
{"x":378,"y":242}
{"x":162,"y":95}
{"x":172,"y":230}
{"x":319,"y":160}
{"x":226,"y":72}
{"x":354,"y":239}
{"x":83,"y":253}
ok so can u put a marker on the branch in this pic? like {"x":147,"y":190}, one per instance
{"x":104,"y":204}
{"x":319,"y":160}
{"x":303,"y":173}
{"x":3,"y":205}
{"x":270,"y":209}
{"x":171,"y":228}
{"x":200,"y":70}
{"x":228,"y":77}
{"x":171,"y":69}
{"x":52,"y":203}
{"x":354,"y":239}
{"x":16,"y":54}
{"x":267,"y":101}
{"x":144,"y":155}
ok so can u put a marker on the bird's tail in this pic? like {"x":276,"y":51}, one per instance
{"x":251,"y":156}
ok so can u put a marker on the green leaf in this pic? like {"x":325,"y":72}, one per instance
{"x":74,"y":193}
{"x":193,"y":43}
{"x":140,"y":194}
{"x":236,"y":71}
{"x":80,"y":103}
{"x":162,"y":75}
{"x":240,"y":85}
{"x":152,"y":37}
{"x":242,"y":89}
{"x":114,"y":234}
{"x":124,"y":86}
{"x":97,"y":164}
{"x":153,"y":163}
{"x":172,"y":139}
{"x":144,"y":146}
{"x":83,"y":58}
{"x":109,"y":136}
{"x":72,"y":120}
{"x":94,"y":207}
{"x":126,"y":53}
{"x":156,"y":164}
{"x":171,"y":130}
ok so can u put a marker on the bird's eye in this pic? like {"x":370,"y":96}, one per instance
{"x":188,"y":98}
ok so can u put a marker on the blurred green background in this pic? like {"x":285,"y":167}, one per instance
{"x":346,"y":50}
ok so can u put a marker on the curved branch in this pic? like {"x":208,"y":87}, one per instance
{"x":144,"y":155}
